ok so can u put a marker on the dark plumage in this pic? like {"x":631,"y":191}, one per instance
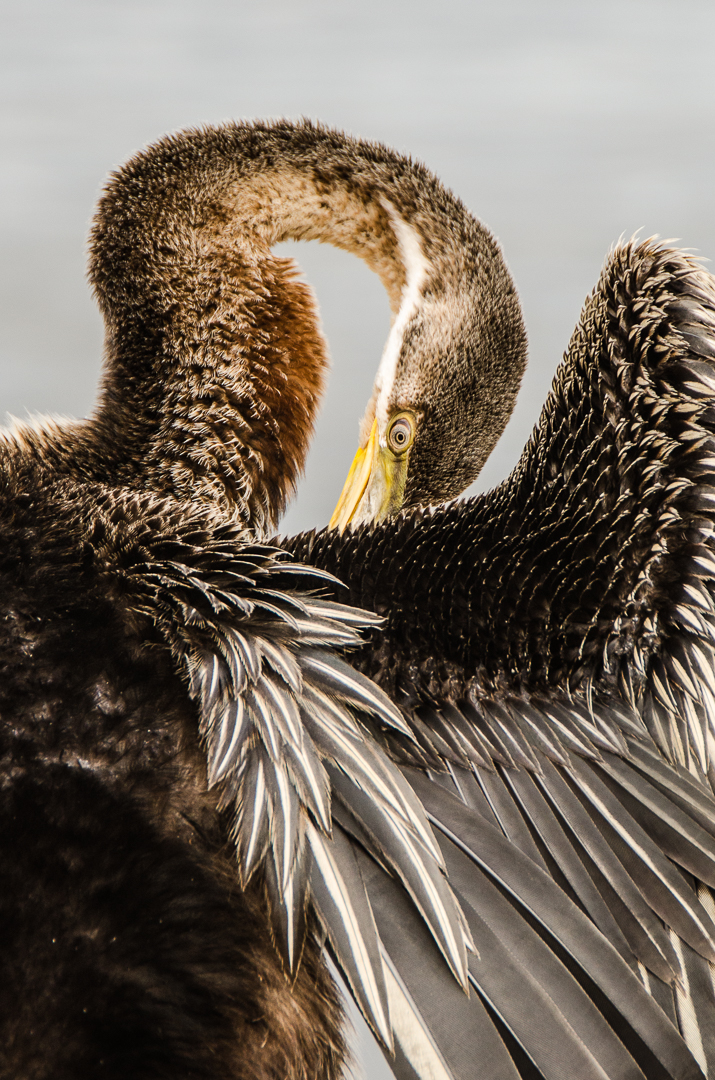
{"x":524,"y":812}
{"x":127,"y":948}
{"x":529,"y":584}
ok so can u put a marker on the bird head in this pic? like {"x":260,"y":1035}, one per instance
{"x":448,"y":378}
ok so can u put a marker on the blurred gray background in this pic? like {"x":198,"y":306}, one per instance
{"x":563,"y":124}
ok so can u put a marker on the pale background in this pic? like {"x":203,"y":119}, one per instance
{"x":561,"y":123}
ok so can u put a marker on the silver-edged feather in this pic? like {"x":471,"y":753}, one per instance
{"x":292,"y":741}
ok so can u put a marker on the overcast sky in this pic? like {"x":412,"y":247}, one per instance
{"x":563,"y":124}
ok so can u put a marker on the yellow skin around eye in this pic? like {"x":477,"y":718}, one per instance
{"x":375,"y":486}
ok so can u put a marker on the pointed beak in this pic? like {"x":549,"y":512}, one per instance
{"x":354,"y":486}
{"x":375,"y":487}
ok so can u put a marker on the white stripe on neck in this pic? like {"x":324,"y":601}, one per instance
{"x":416,"y":268}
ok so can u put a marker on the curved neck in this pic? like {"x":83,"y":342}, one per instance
{"x":214,"y":358}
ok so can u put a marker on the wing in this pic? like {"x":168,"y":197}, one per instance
{"x":289,"y":731}
{"x":551,"y":644}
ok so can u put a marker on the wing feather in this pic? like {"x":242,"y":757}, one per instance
{"x":341,"y":902}
{"x":431,"y":1007}
{"x":552,"y":1018}
{"x":539,"y":897}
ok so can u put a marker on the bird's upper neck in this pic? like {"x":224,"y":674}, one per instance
{"x":214,"y":357}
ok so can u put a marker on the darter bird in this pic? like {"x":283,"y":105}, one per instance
{"x":477,"y":773}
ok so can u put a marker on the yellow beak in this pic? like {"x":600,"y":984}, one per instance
{"x":354,"y":486}
{"x":375,"y":487}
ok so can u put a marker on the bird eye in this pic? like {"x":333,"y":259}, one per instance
{"x":400,"y":434}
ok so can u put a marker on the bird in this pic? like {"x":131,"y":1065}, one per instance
{"x":178,"y":706}
{"x":463,"y":748}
